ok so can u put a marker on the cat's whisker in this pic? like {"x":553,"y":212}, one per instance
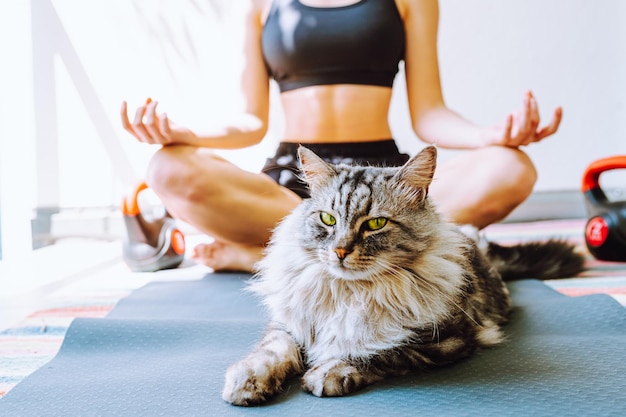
{"x":399,"y":273}
{"x":448,"y":298}
{"x":390,"y":267}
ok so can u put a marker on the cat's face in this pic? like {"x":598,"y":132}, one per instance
{"x":363,"y":221}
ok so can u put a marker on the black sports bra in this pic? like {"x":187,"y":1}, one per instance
{"x":361,"y":43}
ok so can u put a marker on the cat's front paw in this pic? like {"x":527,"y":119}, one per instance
{"x":334,"y":378}
{"x":247,"y":386}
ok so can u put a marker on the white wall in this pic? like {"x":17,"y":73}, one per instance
{"x":88,"y":56}
{"x":569,"y":52}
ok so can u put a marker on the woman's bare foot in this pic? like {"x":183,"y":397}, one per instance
{"x":221,"y":256}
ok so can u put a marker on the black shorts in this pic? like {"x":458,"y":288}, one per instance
{"x":284,"y":167}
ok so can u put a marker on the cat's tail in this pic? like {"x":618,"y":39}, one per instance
{"x":541,"y":260}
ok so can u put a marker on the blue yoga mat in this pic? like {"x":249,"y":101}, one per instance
{"x":164,"y":349}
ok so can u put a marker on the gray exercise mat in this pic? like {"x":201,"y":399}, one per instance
{"x":164,"y":349}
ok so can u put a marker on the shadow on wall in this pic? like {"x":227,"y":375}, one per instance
{"x":166,"y":27}
{"x":173,"y":36}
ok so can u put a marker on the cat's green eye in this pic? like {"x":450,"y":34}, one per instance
{"x":376,"y":223}
{"x":327,"y":219}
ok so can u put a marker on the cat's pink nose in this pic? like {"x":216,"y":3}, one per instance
{"x":342,"y":252}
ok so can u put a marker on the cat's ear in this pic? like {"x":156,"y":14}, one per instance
{"x":316,"y":171}
{"x":417,"y":174}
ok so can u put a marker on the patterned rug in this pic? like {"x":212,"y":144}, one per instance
{"x":29,"y":345}
{"x":32,"y":343}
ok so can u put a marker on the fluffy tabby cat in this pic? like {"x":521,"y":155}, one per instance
{"x":364,"y":281}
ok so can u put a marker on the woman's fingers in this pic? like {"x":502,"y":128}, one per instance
{"x":124,"y":116}
{"x":508,"y":129}
{"x":147,"y":126}
{"x":531,"y":132}
{"x":553,"y":126}
{"x":128,"y":126}
{"x":523,"y":133}
{"x":521,"y":128}
{"x":152,"y":124}
{"x":533,"y":115}
{"x":165,"y":125}
{"x":138,"y":126}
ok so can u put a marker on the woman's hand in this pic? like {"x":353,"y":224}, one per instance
{"x":522,"y":127}
{"x":150,"y":127}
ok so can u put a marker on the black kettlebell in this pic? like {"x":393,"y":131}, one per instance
{"x":605,"y":232}
{"x":150,"y":245}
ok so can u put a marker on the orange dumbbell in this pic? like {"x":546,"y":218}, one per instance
{"x":150,"y":245}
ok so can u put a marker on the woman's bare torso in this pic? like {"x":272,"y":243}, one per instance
{"x":335,"y":113}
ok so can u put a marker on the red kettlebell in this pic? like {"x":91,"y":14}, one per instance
{"x":150,"y":245}
{"x":605,"y":232}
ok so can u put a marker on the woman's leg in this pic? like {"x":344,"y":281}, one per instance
{"x":483,"y":186}
{"x":240,"y":209}
{"x":237,"y":208}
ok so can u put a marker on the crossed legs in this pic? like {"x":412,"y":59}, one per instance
{"x":239,"y":209}
{"x":483,"y":186}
